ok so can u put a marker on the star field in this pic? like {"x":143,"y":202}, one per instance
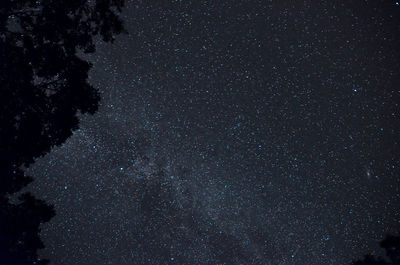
{"x":246,"y":132}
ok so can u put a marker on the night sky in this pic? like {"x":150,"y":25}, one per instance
{"x":233,"y":132}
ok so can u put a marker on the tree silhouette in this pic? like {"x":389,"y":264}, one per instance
{"x":392,"y":246}
{"x":43,"y":85}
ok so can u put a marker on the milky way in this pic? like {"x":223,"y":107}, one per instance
{"x":237,"y":132}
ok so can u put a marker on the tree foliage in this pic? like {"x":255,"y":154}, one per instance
{"x":392,"y":246}
{"x":43,"y":86}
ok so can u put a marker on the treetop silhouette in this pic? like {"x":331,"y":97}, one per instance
{"x":392,"y":246}
{"x":43,"y":86}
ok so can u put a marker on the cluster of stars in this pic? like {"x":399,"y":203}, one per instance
{"x":252,"y":133}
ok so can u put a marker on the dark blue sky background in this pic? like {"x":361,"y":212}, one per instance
{"x":237,"y":132}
